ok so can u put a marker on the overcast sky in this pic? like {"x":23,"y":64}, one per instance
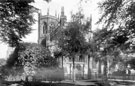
{"x":89,"y":7}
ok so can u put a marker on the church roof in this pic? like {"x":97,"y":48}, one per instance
{"x":50,"y":17}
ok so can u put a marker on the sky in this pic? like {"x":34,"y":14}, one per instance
{"x":89,"y":7}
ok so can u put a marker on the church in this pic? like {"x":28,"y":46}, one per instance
{"x":48,"y":25}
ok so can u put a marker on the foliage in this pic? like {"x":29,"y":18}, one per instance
{"x":58,"y":54}
{"x":15,"y":20}
{"x":73,"y":37}
{"x":28,"y":57}
{"x":84,"y":26}
{"x":6,"y":71}
{"x":117,"y":27}
{"x":107,"y":51}
{"x":2,"y":61}
{"x":72,"y":41}
{"x":32,"y":53}
{"x":118,"y":18}
{"x":131,"y":62}
{"x":13,"y":57}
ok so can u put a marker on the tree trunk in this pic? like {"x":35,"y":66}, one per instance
{"x":89,"y":71}
{"x":83,"y":72}
{"x":26,"y":79}
{"x":26,"y":83}
{"x":62,"y":61}
{"x":99,"y":69}
{"x":70,"y":71}
{"x":73,"y":71}
{"x":105,"y":73}
{"x":105,"y":70}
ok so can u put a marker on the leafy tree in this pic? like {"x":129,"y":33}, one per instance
{"x":15,"y":19}
{"x":32,"y":53}
{"x":106,"y":49}
{"x":29,"y":58}
{"x":118,"y":18}
{"x":73,"y":42}
{"x":118,"y":27}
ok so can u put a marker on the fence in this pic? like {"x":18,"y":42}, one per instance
{"x":124,"y":77}
{"x":121,"y":77}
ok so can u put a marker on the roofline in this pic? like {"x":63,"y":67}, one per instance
{"x":49,"y":16}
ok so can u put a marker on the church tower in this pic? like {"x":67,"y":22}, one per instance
{"x":47,"y":25}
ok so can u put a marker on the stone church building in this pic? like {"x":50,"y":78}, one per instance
{"x":47,"y":26}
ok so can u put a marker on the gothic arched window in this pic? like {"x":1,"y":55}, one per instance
{"x":44,"y":27}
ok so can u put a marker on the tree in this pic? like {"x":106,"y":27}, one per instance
{"x":118,"y":17}
{"x":106,"y":49}
{"x":30,"y":57}
{"x":31,"y":53}
{"x":118,"y":23}
{"x":16,"y":20}
{"x":73,"y":42}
